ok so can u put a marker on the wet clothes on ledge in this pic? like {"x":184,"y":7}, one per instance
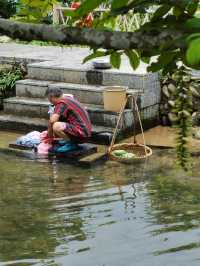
{"x":30,"y":140}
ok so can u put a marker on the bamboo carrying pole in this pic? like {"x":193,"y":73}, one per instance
{"x":136,"y":115}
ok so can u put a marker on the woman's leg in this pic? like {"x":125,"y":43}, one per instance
{"x":68,"y":132}
{"x":59,"y":130}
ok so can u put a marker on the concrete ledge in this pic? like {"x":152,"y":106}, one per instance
{"x":89,"y":76}
{"x":31,"y":88}
{"x":39,"y":109}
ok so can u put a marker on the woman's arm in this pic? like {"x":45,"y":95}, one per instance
{"x":53,"y":119}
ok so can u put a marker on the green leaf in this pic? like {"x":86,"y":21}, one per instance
{"x":134,"y":58}
{"x":193,"y":23}
{"x":192,"y":37}
{"x":154,"y":67}
{"x":193,"y":53}
{"x":177,"y":11}
{"x":87,"y":6}
{"x":192,"y":7}
{"x":163,"y":60}
{"x":116,"y":4}
{"x":161,"y":11}
{"x":146,"y":60}
{"x":115,"y":59}
{"x":171,"y":103}
{"x":69,"y":13}
{"x":95,"y":54}
{"x":110,"y":23}
{"x":194,"y":91}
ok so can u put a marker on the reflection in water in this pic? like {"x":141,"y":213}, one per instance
{"x":24,"y":215}
{"x":56,"y":214}
{"x":176,"y":206}
{"x":55,"y":171}
{"x":130,"y":201}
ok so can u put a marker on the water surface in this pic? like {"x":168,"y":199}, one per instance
{"x":111,"y":215}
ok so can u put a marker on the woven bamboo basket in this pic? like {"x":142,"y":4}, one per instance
{"x":141,"y":151}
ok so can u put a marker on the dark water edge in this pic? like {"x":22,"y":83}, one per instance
{"x":56,"y":214}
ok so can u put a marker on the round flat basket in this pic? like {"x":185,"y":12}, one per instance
{"x":141,"y":152}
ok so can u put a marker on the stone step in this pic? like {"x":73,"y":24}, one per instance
{"x":32,"y":88}
{"x":100,"y":134}
{"x":25,"y":123}
{"x":38,"y":108}
{"x":85,"y":74}
{"x":91,"y":94}
{"x":21,"y":123}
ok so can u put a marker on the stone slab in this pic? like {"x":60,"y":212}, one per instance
{"x":82,"y":151}
{"x":88,"y":75}
{"x":165,"y":137}
{"x":39,"y":108}
{"x":87,"y":94}
{"x":90,"y":157}
{"x":72,"y":56}
{"x":95,"y":158}
{"x":32,"y":88}
{"x":84,"y":93}
{"x":37,"y":89}
{"x":27,"y":124}
{"x":13,"y":145}
{"x":21,"y":123}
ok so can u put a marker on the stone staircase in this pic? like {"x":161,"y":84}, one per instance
{"x":28,"y":110}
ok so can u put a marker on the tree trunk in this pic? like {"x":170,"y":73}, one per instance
{"x":146,"y":41}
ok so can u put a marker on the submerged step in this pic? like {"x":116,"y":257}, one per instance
{"x":21,"y":123}
{"x":24,"y":123}
{"x":39,"y":108}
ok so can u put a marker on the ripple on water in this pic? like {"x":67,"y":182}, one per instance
{"x":109,"y":215}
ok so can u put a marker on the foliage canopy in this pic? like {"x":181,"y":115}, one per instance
{"x":168,"y":16}
{"x":7,"y":8}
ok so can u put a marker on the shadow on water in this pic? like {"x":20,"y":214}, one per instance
{"x":57,"y":214}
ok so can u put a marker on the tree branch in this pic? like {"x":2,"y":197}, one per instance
{"x":91,"y":37}
{"x":138,"y":3}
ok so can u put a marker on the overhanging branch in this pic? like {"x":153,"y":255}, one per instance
{"x":91,"y":37}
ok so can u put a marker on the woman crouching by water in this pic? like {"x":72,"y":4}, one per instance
{"x":69,"y":120}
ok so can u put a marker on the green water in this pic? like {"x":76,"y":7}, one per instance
{"x":110,"y":215}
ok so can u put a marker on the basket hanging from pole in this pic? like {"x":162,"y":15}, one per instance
{"x":140,"y":151}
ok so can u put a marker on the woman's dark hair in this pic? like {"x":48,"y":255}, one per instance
{"x":55,"y":92}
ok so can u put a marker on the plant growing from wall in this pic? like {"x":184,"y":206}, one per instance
{"x":181,"y":113}
{"x":8,"y":78}
{"x":180,"y":92}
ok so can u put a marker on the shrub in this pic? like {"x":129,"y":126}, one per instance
{"x":7,"y":8}
{"x":8,"y":78}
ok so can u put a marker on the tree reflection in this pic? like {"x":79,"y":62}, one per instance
{"x":25,"y":212}
{"x":175,"y":203}
{"x":31,"y":224}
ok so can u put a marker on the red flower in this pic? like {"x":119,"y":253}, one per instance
{"x":86,"y":21}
